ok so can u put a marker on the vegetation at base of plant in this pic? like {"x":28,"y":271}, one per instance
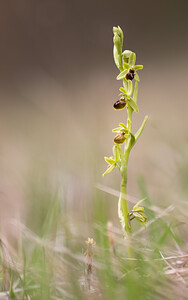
{"x":48,"y":262}
{"x":126,"y":63}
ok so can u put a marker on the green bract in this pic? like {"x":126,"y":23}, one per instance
{"x":126,"y":63}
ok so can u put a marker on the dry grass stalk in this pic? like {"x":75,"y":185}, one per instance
{"x":89,"y":260}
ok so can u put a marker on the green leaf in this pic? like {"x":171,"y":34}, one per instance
{"x":132,"y":141}
{"x":123,"y":90}
{"x":109,"y":169}
{"x":138,"y":67}
{"x":133,"y":105}
{"x":109,"y":160}
{"x":130,"y":88}
{"x":122,"y":75}
{"x":132,"y":59}
{"x":135,"y":96}
{"x":138,"y":133}
{"x":116,"y":153}
{"x":136,"y":77}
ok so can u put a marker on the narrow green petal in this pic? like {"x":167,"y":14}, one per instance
{"x":138,"y":67}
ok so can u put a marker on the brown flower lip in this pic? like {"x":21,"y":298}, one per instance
{"x":130,"y":75}
{"x":120,"y":138}
{"x":120,"y":104}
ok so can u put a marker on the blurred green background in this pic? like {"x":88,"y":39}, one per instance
{"x":57,"y":88}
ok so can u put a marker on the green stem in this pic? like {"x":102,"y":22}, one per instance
{"x":123,"y":209}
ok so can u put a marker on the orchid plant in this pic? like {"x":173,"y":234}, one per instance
{"x":125,"y":62}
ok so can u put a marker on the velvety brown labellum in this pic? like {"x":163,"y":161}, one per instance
{"x":120,"y":138}
{"x":120,"y":104}
{"x":130,"y":76}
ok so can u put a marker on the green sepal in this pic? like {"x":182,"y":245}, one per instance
{"x":139,"y":209}
{"x":130,"y":88}
{"x":126,"y":53}
{"x":123,"y":90}
{"x":122,"y":75}
{"x":138,"y":203}
{"x":132,"y":59}
{"x":126,"y":66}
{"x":141,"y":218}
{"x":136,"y":77}
{"x":133,"y":105}
{"x":124,"y":127}
{"x":138,"y":212}
{"x":109,"y":160}
{"x":117,"y":129}
{"x":138,"y":67}
{"x":109,"y":169}
{"x":121,"y":128}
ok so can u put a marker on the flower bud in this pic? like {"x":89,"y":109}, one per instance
{"x":120,"y":138}
{"x":118,"y":43}
{"x":120,"y":104}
